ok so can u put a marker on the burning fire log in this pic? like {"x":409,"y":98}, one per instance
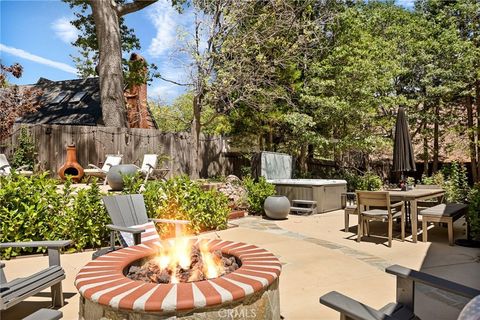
{"x":183,"y":263}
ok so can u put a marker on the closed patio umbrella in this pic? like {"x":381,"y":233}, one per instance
{"x":403,"y":157}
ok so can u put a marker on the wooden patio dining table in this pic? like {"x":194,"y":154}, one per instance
{"x":413,"y":196}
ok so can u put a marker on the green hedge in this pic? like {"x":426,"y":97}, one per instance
{"x":184,"y":199}
{"x":257,"y":192}
{"x":37,"y":208}
{"x":368,"y":181}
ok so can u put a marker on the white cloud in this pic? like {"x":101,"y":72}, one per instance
{"x":28,"y":56}
{"x":164,"y":17}
{"x":165,"y":92}
{"x":64,"y":30}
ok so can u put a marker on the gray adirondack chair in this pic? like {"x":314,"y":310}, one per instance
{"x":126,"y":211}
{"x":404,"y":307}
{"x":17,"y":290}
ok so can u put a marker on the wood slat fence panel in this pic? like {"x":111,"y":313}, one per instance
{"x":94,"y":143}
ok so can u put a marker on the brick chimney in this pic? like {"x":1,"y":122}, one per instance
{"x":136,"y":98}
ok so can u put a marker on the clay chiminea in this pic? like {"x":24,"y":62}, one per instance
{"x":71,"y":167}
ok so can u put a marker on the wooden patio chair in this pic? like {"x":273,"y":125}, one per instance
{"x":6,"y":169}
{"x":112,"y":160}
{"x":404,"y":307}
{"x":129,"y":217}
{"x":349,"y":205}
{"x":387,"y":212}
{"x":149,"y":164}
{"x":17,"y":290}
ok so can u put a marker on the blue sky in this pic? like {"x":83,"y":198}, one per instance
{"x":37,"y":34}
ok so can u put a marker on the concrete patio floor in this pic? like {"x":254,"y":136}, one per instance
{"x":318,"y":257}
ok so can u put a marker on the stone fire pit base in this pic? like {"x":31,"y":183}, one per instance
{"x":260,"y":305}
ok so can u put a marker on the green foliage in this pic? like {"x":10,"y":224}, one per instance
{"x":87,"y":42}
{"x":178,"y":116}
{"x":453,"y":179}
{"x":436,"y":179}
{"x":184,"y":199}
{"x":257,"y":192}
{"x":474,"y":211}
{"x":368,"y":181}
{"x":25,"y":153}
{"x":456,"y":183}
{"x":34,"y":209}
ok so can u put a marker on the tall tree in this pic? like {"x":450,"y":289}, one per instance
{"x":15,"y":101}
{"x":107,"y":29}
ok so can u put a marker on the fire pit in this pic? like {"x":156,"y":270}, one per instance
{"x":154,"y":281}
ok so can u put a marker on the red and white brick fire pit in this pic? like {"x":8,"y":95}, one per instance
{"x":250,"y":292}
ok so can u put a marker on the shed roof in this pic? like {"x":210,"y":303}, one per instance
{"x":58,"y":105}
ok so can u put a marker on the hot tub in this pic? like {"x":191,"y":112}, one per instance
{"x":277,"y":168}
{"x":326,"y":192}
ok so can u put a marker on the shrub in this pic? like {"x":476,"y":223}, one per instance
{"x":473,"y":214}
{"x":453,"y":179}
{"x":368,"y":181}
{"x":436,"y":179}
{"x":456,"y":183}
{"x":24,"y":153}
{"x":257,"y":192}
{"x":33,"y":209}
{"x":183,"y":199}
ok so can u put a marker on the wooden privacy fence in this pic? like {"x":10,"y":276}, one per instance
{"x":94,"y":143}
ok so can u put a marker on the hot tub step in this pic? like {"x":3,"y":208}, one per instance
{"x":303,"y":210}
{"x":308,"y":202}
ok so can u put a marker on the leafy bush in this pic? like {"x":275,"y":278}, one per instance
{"x":24,"y":153}
{"x":453,"y":179}
{"x":474,"y":211}
{"x":257,"y":192}
{"x":456,"y":183}
{"x":369,"y":181}
{"x":436,"y":179}
{"x":183,"y":199}
{"x":33,"y":209}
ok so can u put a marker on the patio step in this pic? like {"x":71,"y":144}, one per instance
{"x":303,"y":210}
{"x":307,"y":202}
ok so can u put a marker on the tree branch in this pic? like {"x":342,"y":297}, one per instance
{"x":174,"y":82}
{"x":133,"y":6}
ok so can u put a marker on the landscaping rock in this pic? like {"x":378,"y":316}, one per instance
{"x":236,"y":193}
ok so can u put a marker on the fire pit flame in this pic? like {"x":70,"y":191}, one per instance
{"x":182,"y":262}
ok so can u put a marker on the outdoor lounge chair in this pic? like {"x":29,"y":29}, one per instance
{"x":112,"y":160}
{"x":148,"y":165}
{"x":129,"y":217}
{"x":404,"y":307}
{"x":388,"y":212}
{"x":19,"y":289}
{"x":6,"y":169}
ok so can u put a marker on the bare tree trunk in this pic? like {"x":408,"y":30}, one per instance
{"x":195,"y":137}
{"x":303,"y":159}
{"x":426,"y":156}
{"x":110,"y":64}
{"x":471,"y":136}
{"x":435,"y":139}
